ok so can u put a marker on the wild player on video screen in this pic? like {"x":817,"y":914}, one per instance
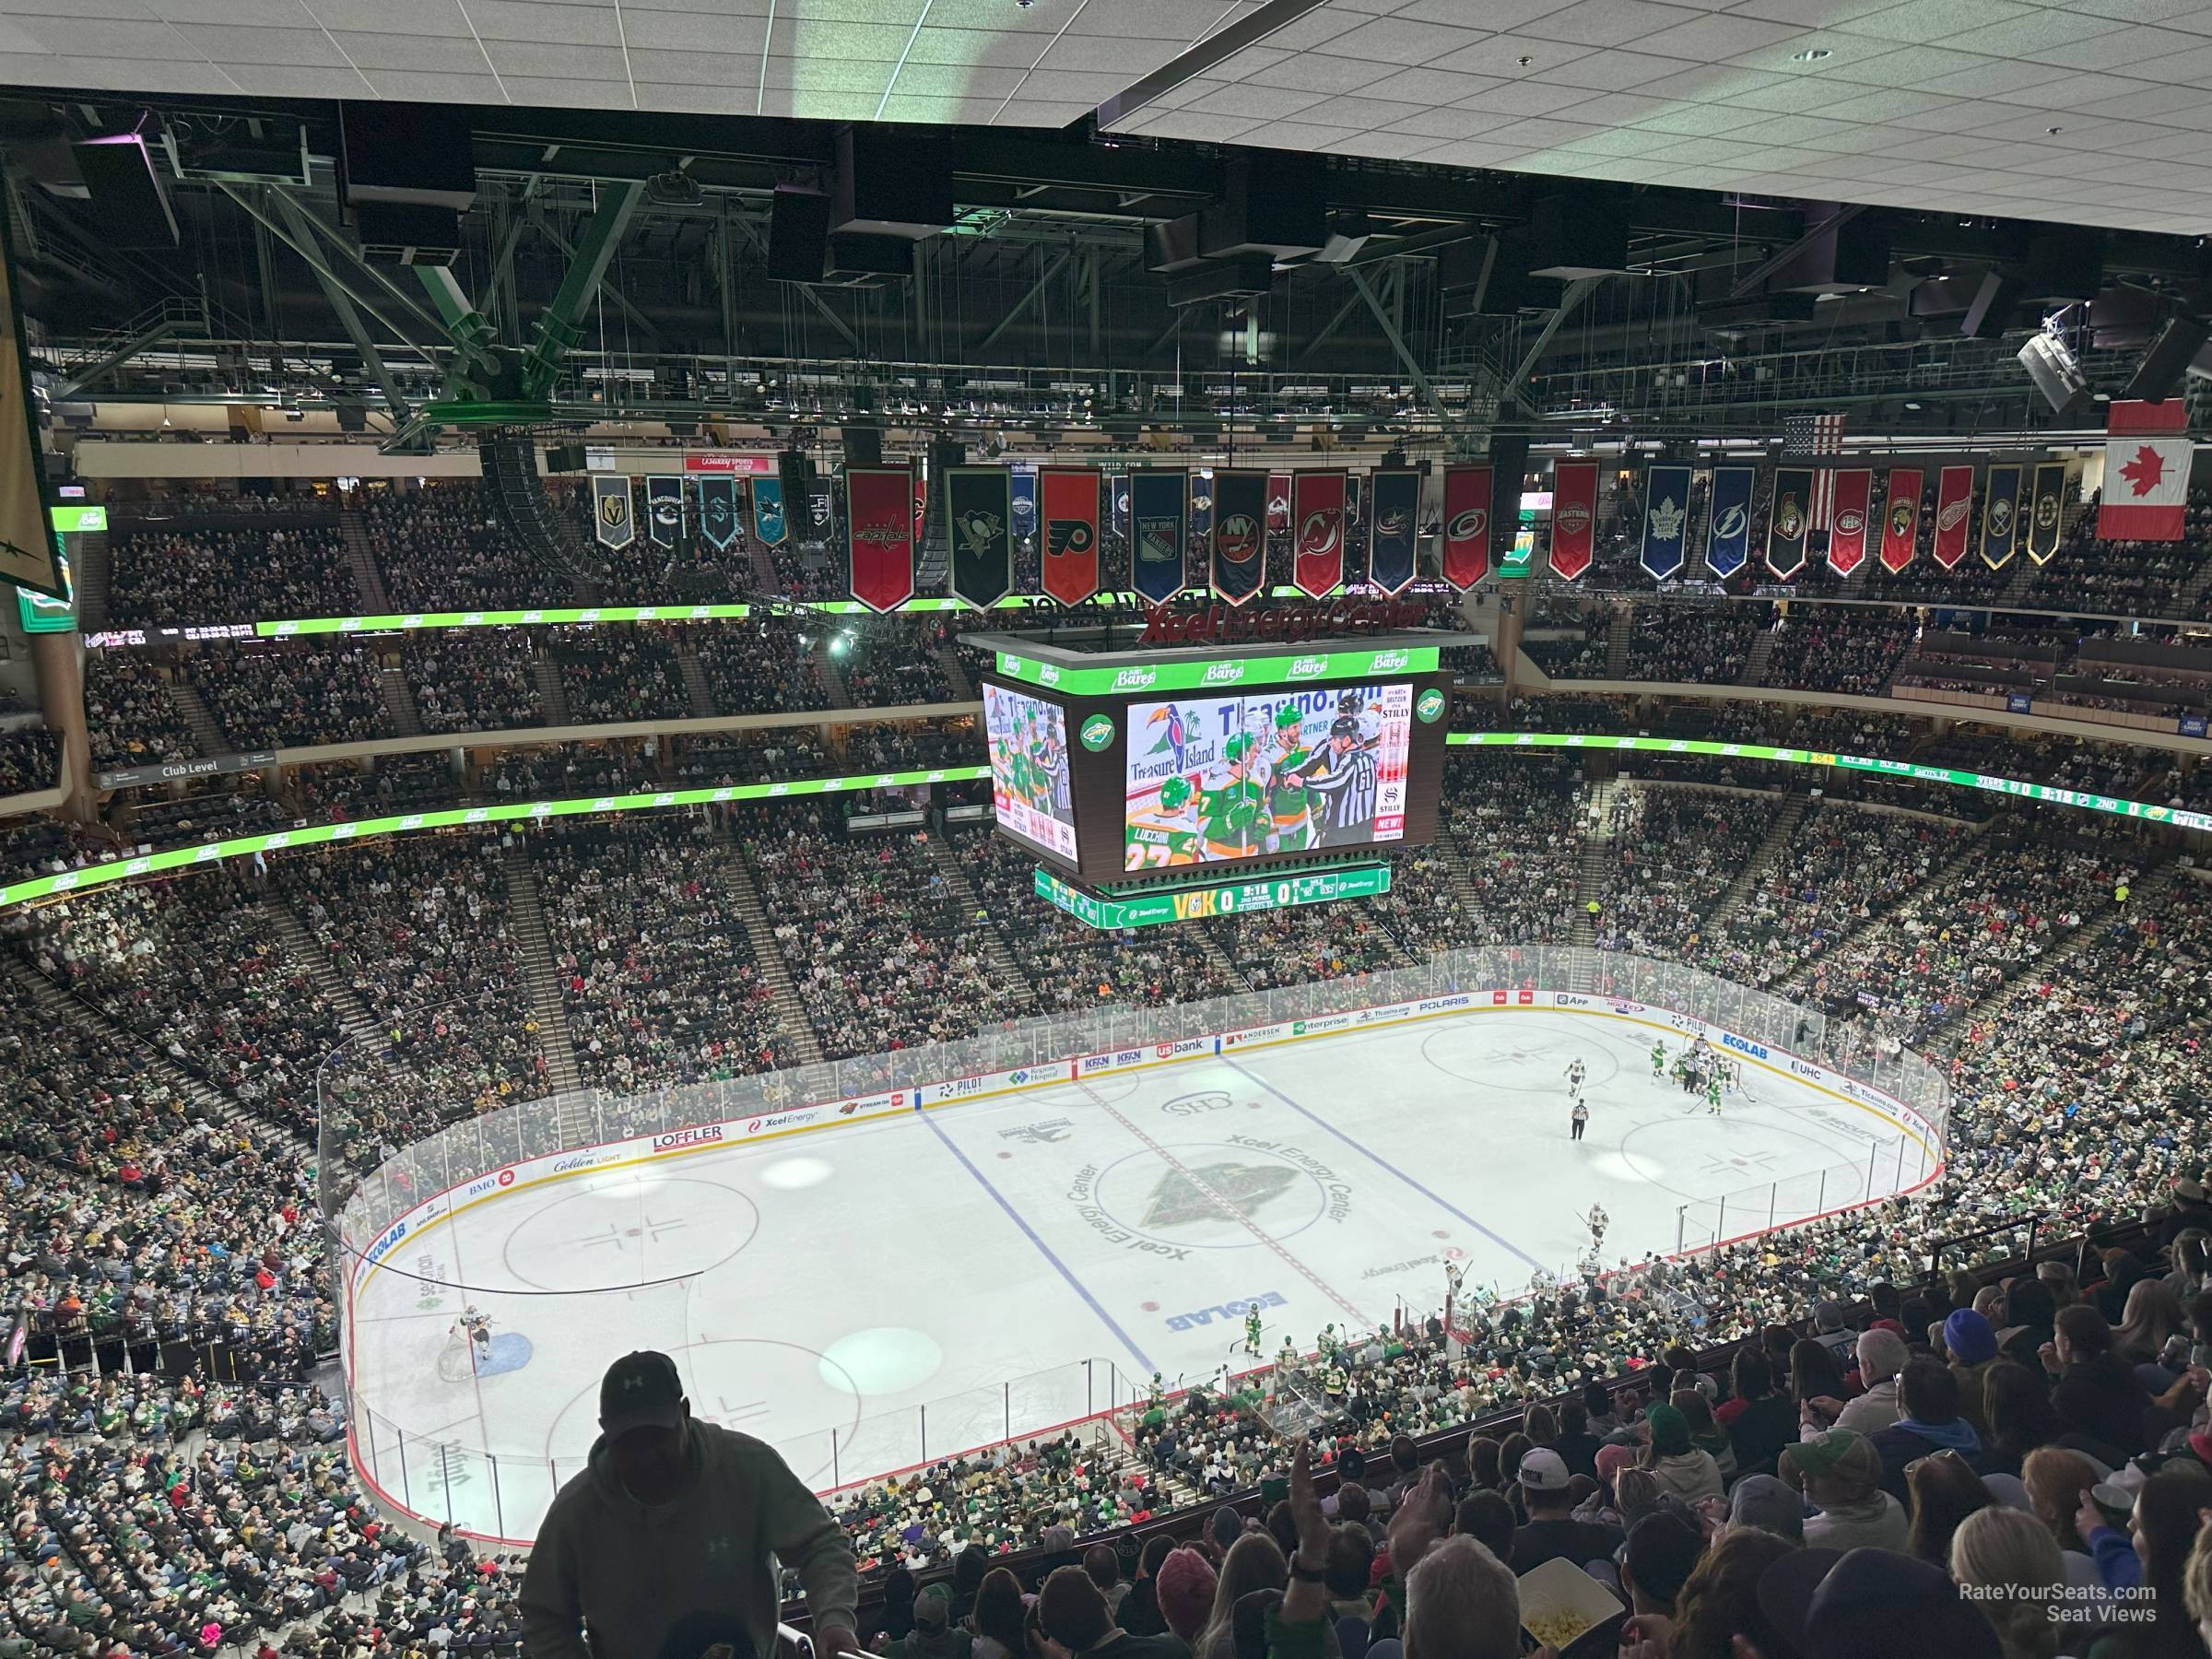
{"x":1230,"y":816}
{"x":1290,"y":809}
{"x":1168,"y":835}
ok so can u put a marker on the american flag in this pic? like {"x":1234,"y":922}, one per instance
{"x":1816,"y":435}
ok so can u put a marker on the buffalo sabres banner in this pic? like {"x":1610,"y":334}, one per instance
{"x":1024,"y":504}
{"x":1850,"y":498}
{"x":1573,"y":517}
{"x":665,"y":511}
{"x":1394,"y":501}
{"x":978,"y":525}
{"x":879,"y":531}
{"x":1901,"y":519}
{"x":2000,"y":516}
{"x":610,"y":515}
{"x":1954,"y":507}
{"x":767,"y":512}
{"x":1467,"y":526}
{"x":1158,"y":526}
{"x":1728,"y":524}
{"x":1786,"y":525}
{"x":1240,"y":553}
{"x":718,"y":511}
{"x":1067,"y":501}
{"x":1317,"y":532}
{"x":1665,"y":519}
{"x":2046,"y":510}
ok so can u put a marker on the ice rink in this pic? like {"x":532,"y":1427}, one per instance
{"x":931,"y":1281}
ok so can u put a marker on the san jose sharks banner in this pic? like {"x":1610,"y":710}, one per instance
{"x":1240,"y":553}
{"x":1954,"y":511}
{"x":1665,"y":519}
{"x":1317,"y":529}
{"x":611,"y":521}
{"x":718,"y":511}
{"x":978,"y":523}
{"x":2000,"y":515}
{"x":665,"y":511}
{"x":1467,"y":526}
{"x":1158,"y":528}
{"x":880,"y":533}
{"x":1787,"y":523}
{"x":2046,"y":510}
{"x":1393,"y":504}
{"x":767,"y":512}
{"x":1068,"y":503}
{"x":1573,"y":517}
{"x":1728,"y":523}
{"x":1901,"y":519}
{"x":1850,"y":498}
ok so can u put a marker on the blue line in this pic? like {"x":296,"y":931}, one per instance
{"x":1043,"y":1249}
{"x":1369,"y":1153}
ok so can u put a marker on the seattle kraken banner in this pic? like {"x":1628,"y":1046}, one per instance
{"x":610,"y":516}
{"x":1666,"y":518}
{"x":978,"y":523}
{"x":767,"y":512}
{"x":665,"y":511}
{"x":1158,"y":522}
{"x":1393,"y":500}
{"x":718,"y":511}
{"x":1728,"y":531}
{"x":1240,"y":555}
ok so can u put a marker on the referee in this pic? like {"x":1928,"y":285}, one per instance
{"x":1345,"y":783}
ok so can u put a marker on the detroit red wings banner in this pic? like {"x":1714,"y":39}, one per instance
{"x":1067,"y":505}
{"x":1901,"y":519}
{"x":1467,"y":526}
{"x":1317,"y":532}
{"x":879,"y":528}
{"x":1573,"y":516}
{"x":1954,"y":507}
{"x":2146,"y":456}
{"x":1851,"y":494}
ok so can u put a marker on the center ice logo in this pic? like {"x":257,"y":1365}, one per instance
{"x":1182,"y":1199}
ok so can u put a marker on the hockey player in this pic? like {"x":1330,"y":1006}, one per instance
{"x":1713,"y":1093}
{"x":1156,"y":1395}
{"x":1171,"y":836}
{"x":1579,"y":1118}
{"x":1659,"y":1060}
{"x":1290,"y":809}
{"x":1326,"y":1345}
{"x":1229,"y":816}
{"x":1576,"y":1072}
{"x":1253,"y":1328}
{"x":1597,"y":1221}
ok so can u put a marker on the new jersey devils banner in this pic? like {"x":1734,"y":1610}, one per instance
{"x":2046,"y":510}
{"x":1069,"y":504}
{"x":1239,"y":534}
{"x":1394,"y":501}
{"x":1728,"y":528}
{"x":2000,"y":516}
{"x":1467,"y":526}
{"x":718,"y":511}
{"x":610,"y":516}
{"x":1666,"y":518}
{"x":879,"y":531}
{"x":1573,"y":516}
{"x":1901,"y":519}
{"x":1787,"y":523}
{"x":1159,"y":504}
{"x":1317,"y":532}
{"x":978,"y":525}
{"x":664,"y":510}
{"x":1954,"y":507}
{"x":1851,"y":495}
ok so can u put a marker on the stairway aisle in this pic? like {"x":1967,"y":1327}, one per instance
{"x":768,"y":956}
{"x":1763,"y":859}
{"x":551,"y":691}
{"x":300,"y":944}
{"x":367,"y":580}
{"x":210,"y":736}
{"x":696,"y":689}
{"x":1617,"y":643}
{"x":1755,"y":665}
{"x":527,"y":912}
{"x":1597,"y":857}
{"x":399,"y":701}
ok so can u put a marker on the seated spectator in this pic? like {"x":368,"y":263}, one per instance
{"x":1551,"y":1531}
{"x":1929,"y":1397}
{"x":1840,"y":1472}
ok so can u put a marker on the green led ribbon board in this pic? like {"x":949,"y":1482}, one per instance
{"x":1201,"y":673}
{"x":1192,"y":903}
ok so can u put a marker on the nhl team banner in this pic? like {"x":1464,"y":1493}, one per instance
{"x":2146,"y":456}
{"x":1728,"y":526}
{"x":1665,"y":519}
{"x":1787,"y":523}
{"x":921,"y":506}
{"x":1573,"y":517}
{"x":610,"y":517}
{"x":1901,"y":519}
{"x":1851,"y":498}
{"x":1278,"y":501}
{"x":1202,"y":507}
{"x":718,"y":511}
{"x":1068,"y":499}
{"x":1954,"y":508}
{"x":1393,"y":504}
{"x":1467,"y":526}
{"x":979,"y":525}
{"x":1158,"y":527}
{"x":1239,"y":552}
{"x":767,"y":512}
{"x":1317,"y":528}
{"x":879,"y":527}
{"x":2000,"y":516}
{"x":2046,"y":510}
{"x":1024,"y":504}
{"x":665,"y":511}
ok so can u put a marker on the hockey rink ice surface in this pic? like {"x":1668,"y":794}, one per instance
{"x":863,"y":1288}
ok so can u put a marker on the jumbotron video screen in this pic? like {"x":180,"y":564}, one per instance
{"x":1027,"y":742}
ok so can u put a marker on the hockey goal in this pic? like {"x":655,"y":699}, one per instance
{"x":457,"y":1359}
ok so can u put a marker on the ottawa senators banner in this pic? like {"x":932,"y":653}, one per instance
{"x":1573,"y":516}
{"x":1787,"y":523}
{"x":1901,"y":519}
{"x":979,"y":526}
{"x":2000,"y":516}
{"x":1954,"y":507}
{"x":1467,"y":526}
{"x":1393,"y":504}
{"x":1068,"y":505}
{"x":879,"y":530}
{"x":611,"y":521}
{"x":1317,"y":528}
{"x":1159,"y":532}
{"x":1851,"y":497}
{"x":1240,"y":554}
{"x":2046,"y":510}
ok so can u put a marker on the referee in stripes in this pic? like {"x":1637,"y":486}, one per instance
{"x":1345,"y":782}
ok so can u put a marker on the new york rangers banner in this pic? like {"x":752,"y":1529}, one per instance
{"x":1467,"y":526}
{"x":1728,"y":525}
{"x":1850,"y":497}
{"x":1067,"y":501}
{"x":1573,"y":516}
{"x":610,"y":515}
{"x":1024,"y":504}
{"x":1954,"y":508}
{"x":1239,"y":552}
{"x":665,"y":511}
{"x":767,"y":512}
{"x":1158,"y":528}
{"x":1787,"y":523}
{"x":978,"y":525}
{"x":718,"y":511}
{"x":1901,"y":519}
{"x":1317,"y":532}
{"x":1394,"y":502}
{"x":2000,"y":516}
{"x":1666,"y":518}
{"x":879,"y":527}
{"x":2046,"y":510}
{"x":2146,"y":456}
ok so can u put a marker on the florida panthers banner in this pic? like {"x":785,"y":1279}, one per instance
{"x":1067,"y":499}
{"x":1728,"y":525}
{"x":610,"y":511}
{"x":879,"y":528}
{"x":1573,"y":517}
{"x":1393,"y":503}
{"x":979,"y":525}
{"x":1787,"y":523}
{"x":1158,"y":528}
{"x":1317,"y":531}
{"x":718,"y":511}
{"x":1467,"y":526}
{"x":2146,"y":456}
{"x":1901,"y":519}
{"x":665,"y":511}
{"x":1665,"y":519}
{"x":2000,"y":516}
{"x":1240,"y":553}
{"x":767,"y":512}
{"x":2046,"y":510}
{"x":1954,"y":508}
{"x":1851,"y":497}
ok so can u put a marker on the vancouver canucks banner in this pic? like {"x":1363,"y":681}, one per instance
{"x":1024,"y":504}
{"x":2046,"y":510}
{"x":1467,"y":526}
{"x":2000,"y":516}
{"x":1068,"y":502}
{"x":1158,"y":504}
{"x":1317,"y":529}
{"x":879,"y":531}
{"x":1240,"y":553}
{"x":1786,"y":524}
{"x":767,"y":512}
{"x":610,"y":516}
{"x":1850,"y":499}
{"x":718,"y":511}
{"x":665,"y":511}
{"x":1901,"y":519}
{"x":1665,"y":519}
{"x":1394,"y":502}
{"x":978,"y":523}
{"x":1728,"y":524}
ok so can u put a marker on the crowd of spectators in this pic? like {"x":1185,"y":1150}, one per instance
{"x":129,"y":715}
{"x":440,"y":549}
{"x":760,"y":666}
{"x":1850,"y":649}
{"x":1675,"y":852}
{"x":1676,"y":643}
{"x":473,"y":680}
{"x":892,"y":660}
{"x":29,"y":760}
{"x":1515,"y":823}
{"x":295,"y":695}
{"x":620,"y":672}
{"x":175,"y":576}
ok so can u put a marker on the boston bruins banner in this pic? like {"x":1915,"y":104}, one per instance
{"x":2000,"y":516}
{"x":979,"y":523}
{"x":1787,"y":523}
{"x":718,"y":511}
{"x":610,"y":515}
{"x":2046,"y":511}
{"x":1665,"y":519}
{"x":665,"y":511}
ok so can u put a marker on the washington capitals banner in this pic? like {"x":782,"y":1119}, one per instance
{"x":1954,"y":507}
{"x":1786,"y":525}
{"x":1901,"y":519}
{"x":879,"y":527}
{"x":978,"y":525}
{"x":2046,"y":510}
{"x":1394,"y":501}
{"x":1850,"y":498}
{"x":1158,"y":526}
{"x":1024,"y":504}
{"x":718,"y":511}
{"x":610,"y":511}
{"x":1728,"y":525}
{"x":2000,"y":516}
{"x":1068,"y":501}
{"x":767,"y":512}
{"x":1240,"y":555}
{"x":1573,"y":516}
{"x":1467,"y":526}
{"x":1665,"y":519}
{"x":1317,"y":531}
{"x":665,"y":511}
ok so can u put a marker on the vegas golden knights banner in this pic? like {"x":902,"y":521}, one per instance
{"x":2000,"y":516}
{"x":2046,"y":511}
{"x":1787,"y":523}
{"x":610,"y":516}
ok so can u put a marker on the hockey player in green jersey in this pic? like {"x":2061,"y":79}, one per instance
{"x":1659,"y":1062}
{"x":1229,"y":817}
{"x":1290,"y":809}
{"x":1252,"y":1332}
{"x":1169,"y":837}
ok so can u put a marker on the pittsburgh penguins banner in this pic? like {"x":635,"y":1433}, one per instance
{"x":1317,"y":532}
{"x":1067,"y":499}
{"x":978,"y":523}
{"x":665,"y":511}
{"x":2000,"y":516}
{"x":1024,"y":504}
{"x":1467,"y":526}
{"x":767,"y":512}
{"x":610,"y":516}
{"x":1901,"y":519}
{"x":1393,"y":500}
{"x":1851,"y":498}
{"x":1665,"y":519}
{"x":2046,"y":510}
{"x":1573,"y":517}
{"x":1158,"y":527}
{"x":1954,"y":507}
{"x":718,"y":511}
{"x":1786,"y":524}
{"x":1239,"y":552}
{"x":1728,"y":524}
{"x":879,"y":531}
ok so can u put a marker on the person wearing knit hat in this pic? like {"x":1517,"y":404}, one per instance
{"x":1662,"y":1552}
{"x":1677,"y":1466}
{"x":1881,"y":1356}
{"x":1971,"y":1344}
{"x":1871,"y":1604}
{"x":1187,"y":1582}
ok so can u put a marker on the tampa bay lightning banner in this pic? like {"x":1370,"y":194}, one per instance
{"x":610,"y":518}
{"x":1158,"y":522}
{"x":1666,"y":518}
{"x":1728,"y":531}
{"x":1393,"y":500}
{"x":664,"y":510}
{"x":1024,"y":504}
{"x":718,"y":511}
{"x":767,"y":512}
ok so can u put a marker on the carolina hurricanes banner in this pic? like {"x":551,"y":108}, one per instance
{"x":1901,"y":519}
{"x":1394,"y":501}
{"x":1467,"y":526}
{"x":769,"y":524}
{"x":1068,"y":503}
{"x":1158,"y":528}
{"x":2146,"y":456}
{"x":1573,"y":516}
{"x":1665,"y":519}
{"x":718,"y":511}
{"x":1317,"y":532}
{"x":2000,"y":516}
{"x":979,"y":525}
{"x":1239,"y":534}
{"x":1851,"y":497}
{"x":1787,"y":523}
{"x":2046,"y":510}
{"x":1728,"y":528}
{"x":879,"y":531}
{"x":664,"y":510}
{"x":1954,"y":507}
{"x":610,"y":517}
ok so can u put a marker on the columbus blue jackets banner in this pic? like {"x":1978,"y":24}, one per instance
{"x":879,"y":529}
{"x":2046,"y":510}
{"x":665,"y":511}
{"x":718,"y":511}
{"x":1665,"y":519}
{"x":1728,"y":526}
{"x":767,"y":512}
{"x":1024,"y":504}
{"x":978,"y":523}
{"x":1158,"y":526}
{"x":1239,"y":552}
{"x":2000,"y":516}
{"x":610,"y":515}
{"x":1789,"y":520}
{"x":1394,"y":501}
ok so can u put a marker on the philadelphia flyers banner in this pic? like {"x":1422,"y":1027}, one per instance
{"x":1068,"y":505}
{"x":1317,"y":532}
{"x":1394,"y":502}
{"x":879,"y":530}
{"x":1954,"y":507}
{"x":1573,"y":516}
{"x":1240,"y":553}
{"x":1901,"y":519}
{"x":1851,"y":497}
{"x":1467,"y":526}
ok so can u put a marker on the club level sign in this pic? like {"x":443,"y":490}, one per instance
{"x":1098,"y":731}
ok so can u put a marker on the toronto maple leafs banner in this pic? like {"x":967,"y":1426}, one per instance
{"x":1787,"y":525}
{"x":2147,"y":456}
{"x":767,"y":512}
{"x":718,"y":511}
{"x":978,"y":525}
{"x":665,"y":511}
{"x":2000,"y":516}
{"x":1467,"y":526}
{"x":611,"y":521}
{"x":1240,"y":551}
{"x":1393,"y":500}
{"x":2046,"y":510}
{"x":1158,"y":507}
{"x":1068,"y":502}
{"x":1665,"y":519}
{"x":1728,"y":524}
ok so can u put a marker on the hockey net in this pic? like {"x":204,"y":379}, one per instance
{"x":457,"y":1358}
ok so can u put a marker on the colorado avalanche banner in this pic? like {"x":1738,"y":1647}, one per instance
{"x":2146,"y":456}
{"x":1665,"y":519}
{"x":1067,"y":499}
{"x":1467,"y":526}
{"x":1317,"y":532}
{"x":610,"y":511}
{"x":1901,"y":519}
{"x":718,"y":511}
{"x":767,"y":512}
{"x":1278,"y":501}
{"x":2000,"y":516}
{"x":665,"y":511}
{"x":1787,"y":523}
{"x":1954,"y":507}
{"x":1240,"y":553}
{"x":979,"y":526}
{"x":1728,"y":525}
{"x":1394,"y":501}
{"x":1573,"y":516}
{"x":1158,"y":527}
{"x":880,"y":527}
{"x":1850,"y":497}
{"x":2046,"y":510}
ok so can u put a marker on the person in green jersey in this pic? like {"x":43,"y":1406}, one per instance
{"x":1713,"y":1093}
{"x":1161,"y":842}
{"x":1229,"y":817}
{"x":1252,"y":1332}
{"x":1659,"y":1062}
{"x":1290,"y":809}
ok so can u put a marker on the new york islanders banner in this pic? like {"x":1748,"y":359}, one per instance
{"x":1665,"y":519}
{"x":1067,"y":503}
{"x":1728,"y":524}
{"x":1467,"y":526}
{"x":1393,"y":503}
{"x":718,"y":511}
{"x":879,"y":530}
{"x":978,"y":525}
{"x":1787,"y":523}
{"x":1851,"y":497}
{"x":1901,"y":519}
{"x":2046,"y":510}
{"x":1158,"y":528}
{"x":2000,"y":516}
{"x":1954,"y":508}
{"x":665,"y":511}
{"x":1573,"y":516}
{"x":1239,"y":552}
{"x":2146,"y":456}
{"x":767,"y":512}
{"x":611,"y":521}
{"x":1317,"y":529}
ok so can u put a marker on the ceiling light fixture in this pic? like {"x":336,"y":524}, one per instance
{"x":1811,"y":54}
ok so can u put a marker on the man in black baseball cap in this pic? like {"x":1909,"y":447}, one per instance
{"x":667,"y":1543}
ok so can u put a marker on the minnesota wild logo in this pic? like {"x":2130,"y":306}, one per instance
{"x":1178,"y":1201}
{"x":1429,"y":706}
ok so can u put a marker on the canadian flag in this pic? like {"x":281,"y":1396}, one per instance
{"x":2147,"y":457}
